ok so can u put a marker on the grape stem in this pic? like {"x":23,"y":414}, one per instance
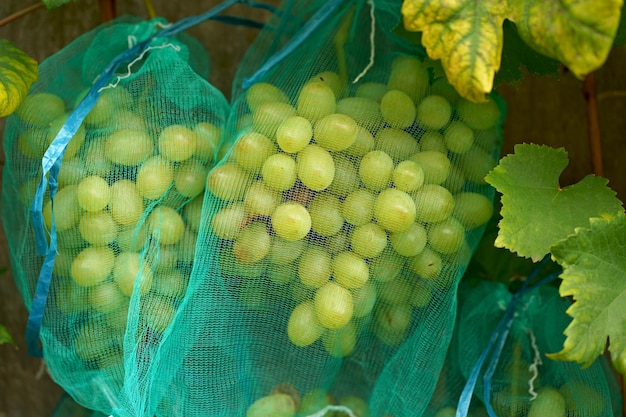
{"x":107,"y":10}
{"x":593,"y":125}
{"x":150,"y":9}
{"x":20,"y":13}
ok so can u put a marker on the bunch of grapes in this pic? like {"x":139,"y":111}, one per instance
{"x":127,"y":212}
{"x":352,"y":206}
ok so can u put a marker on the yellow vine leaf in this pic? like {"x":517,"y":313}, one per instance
{"x":18,"y":72}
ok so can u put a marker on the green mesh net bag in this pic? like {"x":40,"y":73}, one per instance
{"x":338,"y":222}
{"x":116,"y":243}
{"x":67,"y":407}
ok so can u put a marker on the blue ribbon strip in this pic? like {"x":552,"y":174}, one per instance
{"x":51,"y":162}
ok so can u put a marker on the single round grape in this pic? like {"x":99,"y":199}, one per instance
{"x":420,"y":294}
{"x":335,"y":132}
{"x":325,"y":211}
{"x":124,"y":119}
{"x":346,"y":178}
{"x":331,"y":79}
{"x":291,"y":221}
{"x":371,"y":90}
{"x":368,"y":240}
{"x":228,"y":181}
{"x":397,"y":109}
{"x":333,"y":306}
{"x":357,"y":405}
{"x":303,"y":327}
{"x":279,"y":405}
{"x":364,"y":299}
{"x":72,"y":172}
{"x":260,"y":200}
{"x":447,"y":236}
{"x":285,"y":251}
{"x":364,"y":111}
{"x":427,"y":264}
{"x":376,"y":170}
{"x":458,"y":137}
{"x":270,"y":115}
{"x":350,"y":270}
{"x":316,"y":100}
{"x":408,"y":176}
{"x":340,"y":343}
{"x":387,"y":266}
{"x":106,"y":297}
{"x":316,"y":168}
{"x":98,"y":229}
{"x":478,"y":116}
{"x":397,"y":143}
{"x":75,"y":142}
{"x":94,"y":341}
{"x":207,"y":141}
{"x":166,"y":225}
{"x":157,"y":313}
{"x":228,"y":221}
{"x":99,"y":163}
{"x":358,"y":207}
{"x":279,"y":172}
{"x":131,"y":267}
{"x":408,"y":74}
{"x":314,"y":400}
{"x":128,"y":147}
{"x":455,"y":181}
{"x":395,"y":318}
{"x":177,"y":143}
{"x":39,"y":109}
{"x":92,"y":265}
{"x":436,"y":166}
{"x":549,"y":402}
{"x":132,"y":238}
{"x":66,"y":209}
{"x":260,"y":93}
{"x":434,"y":203}
{"x":441,"y":87}
{"x":446,"y":412}
{"x":93,"y":194}
{"x":314,"y":266}
{"x":363,"y":143}
{"x":282,"y":274}
{"x":432,"y":141}
{"x":154,"y":177}
{"x":476,"y":163}
{"x":111,"y":101}
{"x":394,"y":210}
{"x":252,"y":244}
{"x":433,"y":112}
{"x":396,"y":291}
{"x":190,"y":178}
{"x":193,"y":213}
{"x":293,"y":134}
{"x":472,"y":209}
{"x":251,"y":150}
{"x":172,"y":284}
{"x":409,"y":242}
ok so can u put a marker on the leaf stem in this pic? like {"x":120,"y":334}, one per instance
{"x":107,"y":10}
{"x":593,"y":124}
{"x":20,"y":13}
{"x":150,"y":9}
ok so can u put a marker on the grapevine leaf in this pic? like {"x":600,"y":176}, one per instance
{"x":536,"y":211}
{"x":18,"y":72}
{"x":465,"y":34}
{"x":594,"y":274}
{"x":5,"y":337}
{"x":620,"y":37}
{"x":578,"y":33}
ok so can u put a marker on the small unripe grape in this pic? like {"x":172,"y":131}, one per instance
{"x":408,"y":176}
{"x":397,"y":109}
{"x":279,"y":172}
{"x":260,"y":93}
{"x":294,"y":133}
{"x":303,"y":327}
{"x":208,"y":140}
{"x":130,"y":267}
{"x":409,"y":242}
{"x":427,"y":264}
{"x":458,"y":137}
{"x":270,"y":115}
{"x":346,"y":178}
{"x":434,"y":203}
{"x":316,"y":100}
{"x":251,"y":151}
{"x":436,"y":166}
{"x":350,"y":270}
{"x":396,"y":143}
{"x":396,"y":291}
{"x":333,"y":306}
{"x":98,"y":229}
{"x":479,"y":116}
{"x":447,"y":236}
{"x":92,"y":266}
{"x":331,"y":79}
{"x":155,"y":177}
{"x":433,"y":112}
{"x":394,"y":210}
{"x":285,"y":251}
{"x":314,"y":266}
{"x":291,"y":221}
{"x":374,"y":91}
{"x":106,"y":297}
{"x":166,"y":225}
{"x":252,"y":244}
{"x":395,"y":318}
{"x":358,"y":207}
{"x":335,"y":132}
{"x":316,"y":168}
{"x":364,"y":299}
{"x":190,"y":178}
{"x":277,"y":405}
{"x":432,"y":141}
{"x":228,"y":221}
{"x":363,"y":143}
{"x":66,"y":209}
{"x":472,"y":209}
{"x":368,"y":240}
{"x":387,"y":266}
{"x":325,"y":211}
{"x":261,"y":200}
{"x":408,"y":74}
{"x":365,"y":112}
{"x":93,"y":194}
{"x":340,"y":343}
{"x":128,"y":147}
{"x":40,"y":108}
{"x":228,"y":182}
{"x":376,"y":170}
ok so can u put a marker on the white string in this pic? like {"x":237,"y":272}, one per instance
{"x":372,"y":44}
{"x":534,"y":367}
{"x":132,"y":40}
{"x":328,"y":408}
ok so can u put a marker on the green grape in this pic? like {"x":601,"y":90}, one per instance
{"x":420,"y":294}
{"x":40,"y":108}
{"x":157,"y":313}
{"x":350,"y":270}
{"x":66,"y":209}
{"x":98,"y":229}
{"x":341,"y":342}
{"x":284,"y":251}
{"x":368,"y":240}
{"x":131,"y":238}
{"x":335,"y":132}
{"x":99,"y":163}
{"x":111,"y":100}
{"x":548,"y":402}
{"x":408,"y":176}
{"x":72,"y":172}
{"x":124,"y":119}
{"x":291,"y":221}
{"x":300,"y":292}
{"x":478,"y":116}
{"x":396,"y":143}
{"x":408,"y":74}
{"x":315,"y":400}
{"x":261,"y":200}
{"x":434,"y":203}
{"x":376,"y":170}
{"x":228,"y":182}
{"x":433,"y":112}
{"x":293,"y":134}
{"x":331,"y":79}
{"x":128,"y":147}
{"x":279,"y":172}
{"x":446,"y":412}
{"x":357,"y":405}
{"x":251,"y":150}
{"x":129,"y":269}
{"x":476,"y":163}
{"x":396,"y":291}
{"x":316,"y":167}
{"x":166,"y":225}
{"x":333,"y":306}
{"x":472,"y":209}
{"x":394,"y":319}
{"x":364,"y":111}
{"x":455,"y":181}
{"x":252,"y":244}
{"x":106,"y":297}
{"x":363,"y":143}
{"x":270,"y":115}
{"x":337,"y":243}
{"x":316,"y":100}
{"x":432,"y":141}
{"x":387,"y":266}
{"x":373,"y":91}
{"x":303,"y":327}
{"x":325,"y":212}
{"x":398,"y":109}
{"x":94,"y":341}
{"x":427,"y":264}
{"x":276,"y":405}
{"x":190,"y":178}
{"x":458,"y":137}
{"x":74,"y":144}
{"x":93,"y":194}
{"x":177,"y":143}
{"x":314,"y":266}
{"x":26,"y":148}
{"x":409,"y":242}
{"x":441,"y":87}
{"x":394,"y":210}
{"x":346,"y":178}
{"x":208,"y":140}
{"x":358,"y":207}
{"x":154,"y":177}
{"x":364,"y":299}
{"x":164,"y":259}
{"x":260,"y":93}
{"x":92,"y":265}
{"x":436,"y":166}
{"x":193,"y":213}
{"x":282,"y":274}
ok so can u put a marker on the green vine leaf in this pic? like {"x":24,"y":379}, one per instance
{"x":18,"y":72}
{"x":465,"y":34}
{"x":594,"y":274}
{"x":536,"y":211}
{"x":5,"y":337}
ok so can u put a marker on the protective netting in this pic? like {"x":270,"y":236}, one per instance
{"x":126,"y":211}
{"x":67,"y":407}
